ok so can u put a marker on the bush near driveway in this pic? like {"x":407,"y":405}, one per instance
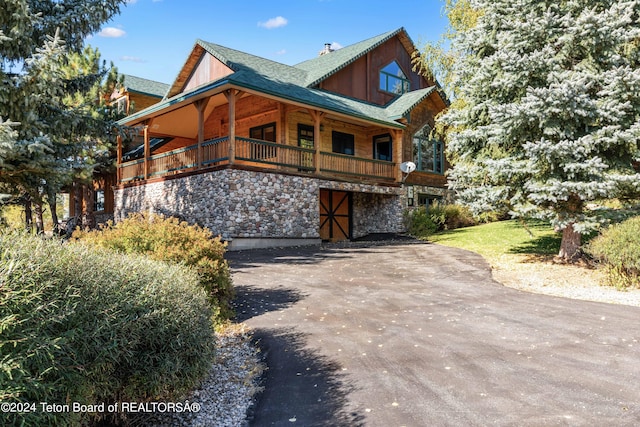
{"x":87,"y":325}
{"x":169,"y":239}
{"x":618,"y":249}
{"x":423,"y":222}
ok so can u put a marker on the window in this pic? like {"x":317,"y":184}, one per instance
{"x":342,"y":143}
{"x":305,"y":136}
{"x":428,"y":153}
{"x":305,"y":140}
{"x":428,"y":200}
{"x":382,"y":147}
{"x":98,"y":201}
{"x":121,"y":105}
{"x":394,"y":80}
{"x":264,"y":133}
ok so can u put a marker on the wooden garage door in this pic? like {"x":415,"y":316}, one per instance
{"x":335,"y":215}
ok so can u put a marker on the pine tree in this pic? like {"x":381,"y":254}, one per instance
{"x":58,"y":136}
{"x":550,"y":123}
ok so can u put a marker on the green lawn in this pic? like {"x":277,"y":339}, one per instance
{"x":495,"y":240}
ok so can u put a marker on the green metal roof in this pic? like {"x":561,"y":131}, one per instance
{"x":328,"y":64}
{"x":401,"y":106}
{"x":145,"y":86}
{"x":296,"y":83}
{"x":241,"y":61}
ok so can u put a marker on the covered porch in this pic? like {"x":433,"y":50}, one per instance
{"x":215,"y":130}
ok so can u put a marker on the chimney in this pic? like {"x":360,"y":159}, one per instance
{"x":327,"y":49}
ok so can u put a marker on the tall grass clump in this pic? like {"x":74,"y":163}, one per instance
{"x":90,"y":326}
{"x":425,"y":221}
{"x":617,"y":248}
{"x":172,"y":240}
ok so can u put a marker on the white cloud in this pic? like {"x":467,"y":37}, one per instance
{"x":336,"y":46}
{"x":131,"y":58}
{"x":281,"y":52}
{"x":112,"y":32}
{"x":272,"y":23}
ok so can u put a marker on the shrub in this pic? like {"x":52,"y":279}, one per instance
{"x":423,"y":222}
{"x":86,"y":325}
{"x":169,"y":239}
{"x":618,"y":249}
{"x":419,"y":223}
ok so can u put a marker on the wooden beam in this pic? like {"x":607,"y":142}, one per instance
{"x":118,"y":157}
{"x":200,"y":105}
{"x":232,"y":96}
{"x":396,"y":137}
{"x":282,"y":110}
{"x":317,"y":140}
{"x":147,"y":150}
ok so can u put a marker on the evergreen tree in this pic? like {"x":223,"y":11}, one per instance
{"x":59,"y":136}
{"x":550,"y":122}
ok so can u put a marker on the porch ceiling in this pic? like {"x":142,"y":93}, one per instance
{"x":183,"y":121}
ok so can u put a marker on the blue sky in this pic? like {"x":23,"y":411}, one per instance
{"x":152,"y":38}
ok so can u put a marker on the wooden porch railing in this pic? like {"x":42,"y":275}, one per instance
{"x":251,"y":151}
{"x":257,"y":151}
{"x":356,"y":166}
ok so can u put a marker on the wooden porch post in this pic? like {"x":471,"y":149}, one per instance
{"x":200,"y":105}
{"x":317,"y":119}
{"x":147,"y":150}
{"x":396,"y":137}
{"x":118,"y":158}
{"x":232,"y":96}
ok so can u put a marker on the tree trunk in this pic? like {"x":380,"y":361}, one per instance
{"x":77,"y":202}
{"x":570,"y":244}
{"x":54,"y":214}
{"x":89,"y":217}
{"x":39,"y":218}
{"x":28,"y":214}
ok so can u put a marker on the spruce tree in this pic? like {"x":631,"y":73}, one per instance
{"x":550,"y":123}
{"x":56,"y":139}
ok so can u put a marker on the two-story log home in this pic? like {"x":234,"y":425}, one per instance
{"x":267,"y":154}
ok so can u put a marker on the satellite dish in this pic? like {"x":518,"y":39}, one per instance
{"x":407,"y":167}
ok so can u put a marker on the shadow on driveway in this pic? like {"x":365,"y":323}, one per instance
{"x":406,"y":333}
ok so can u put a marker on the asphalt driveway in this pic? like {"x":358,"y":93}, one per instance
{"x":420,"y":335}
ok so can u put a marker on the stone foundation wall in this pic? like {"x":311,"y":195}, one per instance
{"x":376,"y":213}
{"x":236,"y":203}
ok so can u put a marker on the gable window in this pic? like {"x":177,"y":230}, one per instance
{"x":121,"y":105}
{"x":98,"y":200}
{"x":428,"y":153}
{"x":394,"y":80}
{"x":382,"y":147}
{"x":264,"y":133}
{"x":343,"y":143}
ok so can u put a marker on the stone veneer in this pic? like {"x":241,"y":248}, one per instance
{"x":236,"y":203}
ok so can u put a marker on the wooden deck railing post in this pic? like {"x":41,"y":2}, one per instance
{"x":200,"y":105}
{"x":232,"y":96}
{"x":118,"y":158}
{"x":317,"y":139}
{"x":147,"y":151}
{"x":396,"y":143}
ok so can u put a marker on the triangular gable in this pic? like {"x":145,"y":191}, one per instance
{"x":208,"y":69}
{"x":209,"y":62}
{"x":323,"y":67}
